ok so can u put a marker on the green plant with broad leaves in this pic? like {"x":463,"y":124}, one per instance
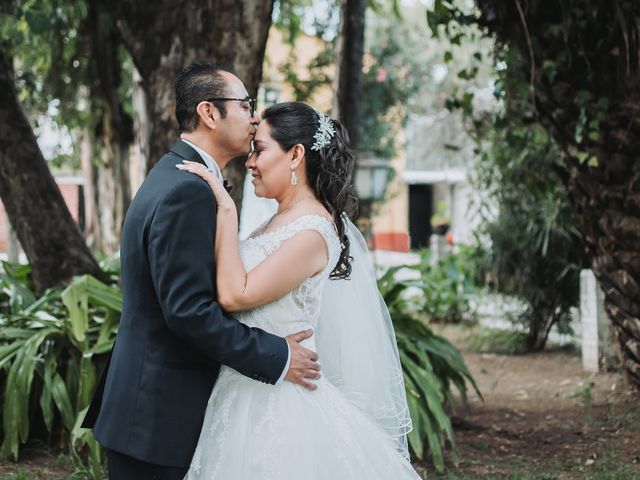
{"x":50,"y":351}
{"x":432,"y":367}
{"x":447,"y":285}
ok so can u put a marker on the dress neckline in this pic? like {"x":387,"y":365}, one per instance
{"x":258,"y":233}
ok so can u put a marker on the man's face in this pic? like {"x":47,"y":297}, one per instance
{"x":237,"y":129}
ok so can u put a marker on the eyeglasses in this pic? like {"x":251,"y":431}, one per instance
{"x":250,"y":101}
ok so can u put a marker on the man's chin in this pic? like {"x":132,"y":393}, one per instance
{"x":241,"y":156}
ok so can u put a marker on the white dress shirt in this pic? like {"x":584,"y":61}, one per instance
{"x":211,"y":164}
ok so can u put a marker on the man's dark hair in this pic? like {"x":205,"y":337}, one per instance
{"x":198,"y":82}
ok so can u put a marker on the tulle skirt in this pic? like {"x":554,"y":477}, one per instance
{"x":254,"y":431}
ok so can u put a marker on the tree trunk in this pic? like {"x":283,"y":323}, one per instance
{"x":165,"y":36}
{"x":539,"y":327}
{"x":142,"y":128}
{"x":348,"y":83}
{"x":583,"y":68}
{"x":89,"y":172}
{"x":115,"y":129}
{"x":48,"y":234}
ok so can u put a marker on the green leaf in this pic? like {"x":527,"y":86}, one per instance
{"x":46,"y":397}
{"x":8,"y":352}
{"x":582,"y":157}
{"x":62,"y":401}
{"x":76,"y":299}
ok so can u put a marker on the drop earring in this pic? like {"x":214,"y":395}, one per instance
{"x":294,"y":177}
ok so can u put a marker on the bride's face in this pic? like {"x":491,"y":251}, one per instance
{"x":270,"y":165}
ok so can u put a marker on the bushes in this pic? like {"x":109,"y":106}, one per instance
{"x":535,"y":252}
{"x":432,"y":366}
{"x":51,"y":349}
{"x":446,"y":285}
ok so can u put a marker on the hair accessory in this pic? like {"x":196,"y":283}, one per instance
{"x":324,"y":133}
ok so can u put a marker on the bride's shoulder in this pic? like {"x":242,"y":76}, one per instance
{"x":313,"y":216}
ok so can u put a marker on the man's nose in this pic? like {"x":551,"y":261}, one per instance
{"x":255,"y":119}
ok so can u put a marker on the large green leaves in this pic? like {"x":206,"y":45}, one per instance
{"x":48,"y":347}
{"x":431,"y":364}
{"x":76,"y":298}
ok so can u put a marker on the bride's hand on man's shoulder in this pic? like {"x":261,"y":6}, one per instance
{"x":223,"y":199}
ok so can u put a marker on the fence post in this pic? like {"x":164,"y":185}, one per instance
{"x":596,"y":339}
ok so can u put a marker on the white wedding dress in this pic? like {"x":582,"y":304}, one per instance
{"x":256,"y":431}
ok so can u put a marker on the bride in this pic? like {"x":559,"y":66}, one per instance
{"x":305,"y":268}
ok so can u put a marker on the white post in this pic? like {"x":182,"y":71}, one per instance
{"x":597,"y":350}
{"x":589,"y":320}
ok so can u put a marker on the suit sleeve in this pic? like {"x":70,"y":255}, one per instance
{"x":182,"y":264}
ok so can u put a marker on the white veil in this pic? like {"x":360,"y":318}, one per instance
{"x":357,"y":346}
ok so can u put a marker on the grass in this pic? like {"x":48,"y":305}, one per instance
{"x":583,"y":392}
{"x":495,"y":340}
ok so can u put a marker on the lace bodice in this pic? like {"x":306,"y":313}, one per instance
{"x":300,"y":308}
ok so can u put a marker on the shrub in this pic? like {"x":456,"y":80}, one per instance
{"x":51,"y":349}
{"x":432,"y":366}
{"x":447,"y":285}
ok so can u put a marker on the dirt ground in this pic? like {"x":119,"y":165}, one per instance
{"x":543,"y":418}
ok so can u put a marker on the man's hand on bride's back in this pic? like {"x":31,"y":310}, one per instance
{"x":304,"y":364}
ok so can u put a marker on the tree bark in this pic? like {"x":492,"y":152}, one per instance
{"x":92,"y":233}
{"x":582,"y":64}
{"x":115,"y":129}
{"x":141,"y":124}
{"x":165,"y":36}
{"x":48,"y":234}
{"x":350,"y":51}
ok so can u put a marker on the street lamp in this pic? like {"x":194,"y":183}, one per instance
{"x":371,"y":178}
{"x":372,"y":174}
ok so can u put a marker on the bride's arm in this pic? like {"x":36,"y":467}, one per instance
{"x":299,"y":258}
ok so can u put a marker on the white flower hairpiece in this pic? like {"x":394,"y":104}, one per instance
{"x":325,"y":132}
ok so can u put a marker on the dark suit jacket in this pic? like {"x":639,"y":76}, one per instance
{"x":173,"y":336}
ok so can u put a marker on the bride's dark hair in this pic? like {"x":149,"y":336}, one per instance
{"x":329,"y":170}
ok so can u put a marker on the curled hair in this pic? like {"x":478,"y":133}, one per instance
{"x":199,"y":82}
{"x":329,"y":170}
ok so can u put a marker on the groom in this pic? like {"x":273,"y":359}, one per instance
{"x":173,"y":337}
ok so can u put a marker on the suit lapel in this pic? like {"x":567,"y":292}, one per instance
{"x":186,"y":152}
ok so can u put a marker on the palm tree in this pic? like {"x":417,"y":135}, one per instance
{"x":581,"y":63}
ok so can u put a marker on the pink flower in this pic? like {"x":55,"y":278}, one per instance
{"x":382,"y":74}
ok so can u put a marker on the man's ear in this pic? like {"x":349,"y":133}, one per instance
{"x":208,"y":114}
{"x":297,"y":155}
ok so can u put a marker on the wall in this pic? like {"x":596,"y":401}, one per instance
{"x":71,"y":192}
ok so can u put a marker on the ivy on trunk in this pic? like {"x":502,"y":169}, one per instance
{"x":581,"y":62}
